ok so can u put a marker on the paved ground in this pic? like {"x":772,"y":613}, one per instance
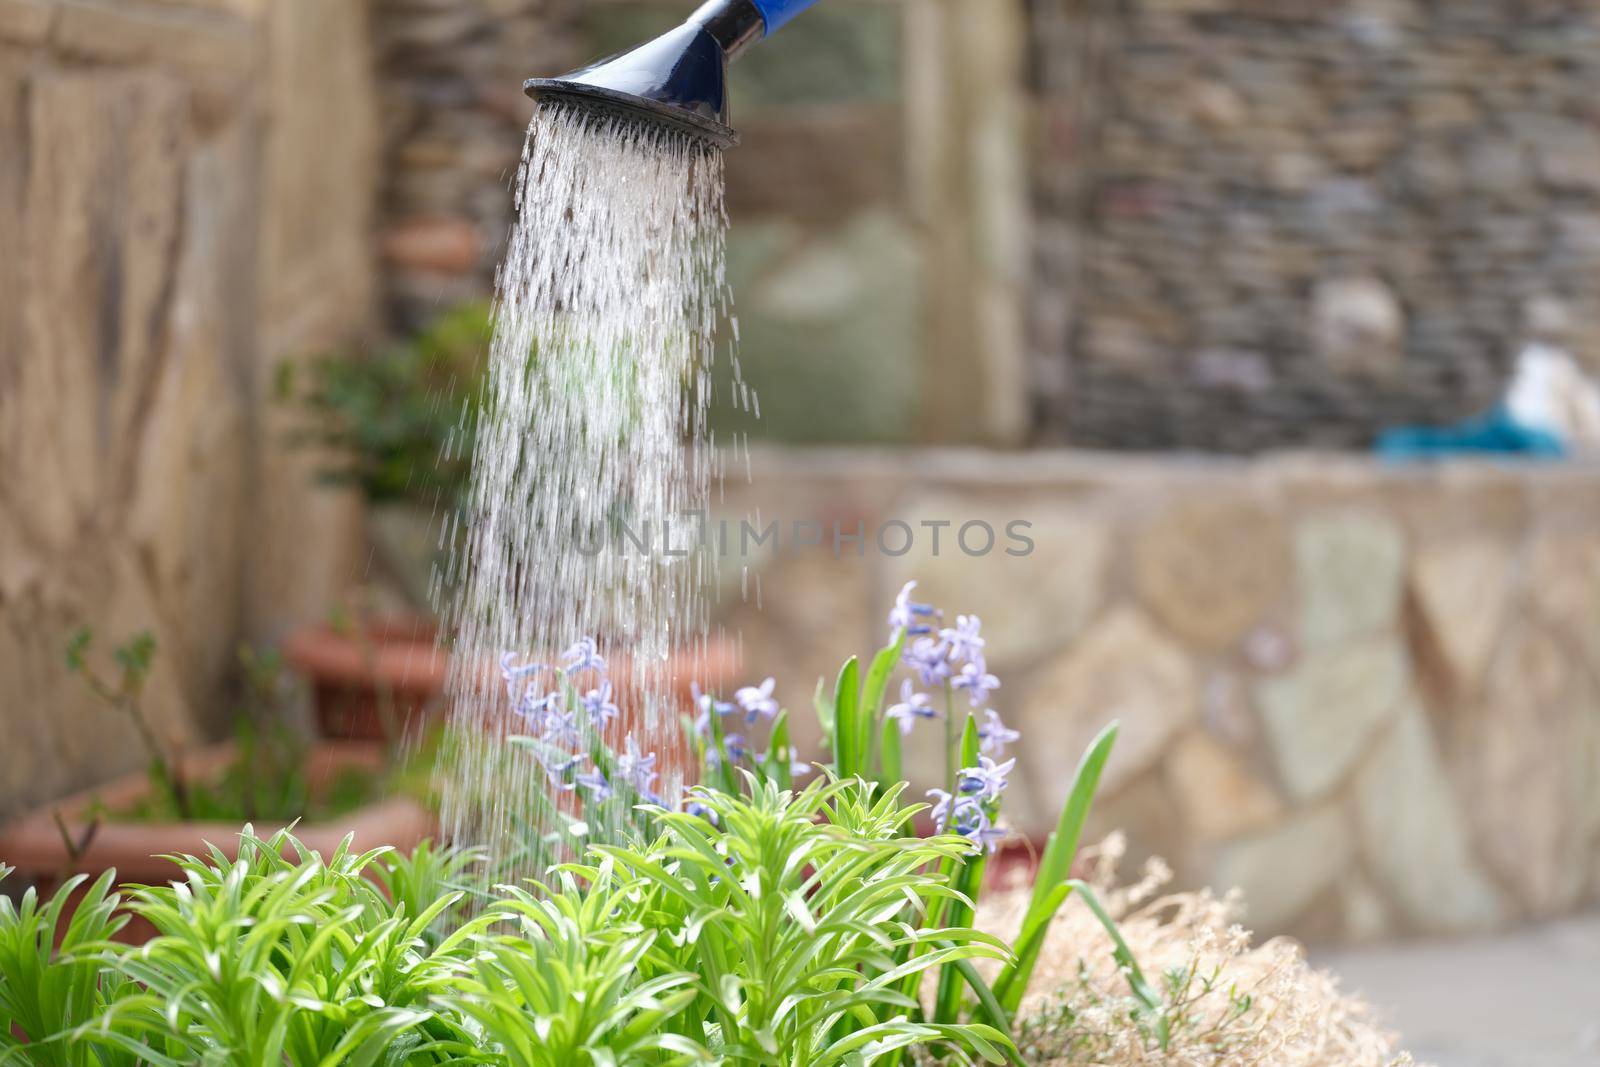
{"x":1531,"y":999}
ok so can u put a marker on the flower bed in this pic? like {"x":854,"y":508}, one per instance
{"x":750,"y":921}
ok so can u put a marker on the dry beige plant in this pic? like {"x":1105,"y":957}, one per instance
{"x":1224,"y":1001}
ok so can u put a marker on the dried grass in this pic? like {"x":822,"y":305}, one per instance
{"x":1229,"y":1003}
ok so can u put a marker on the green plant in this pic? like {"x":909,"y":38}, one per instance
{"x":799,"y":918}
{"x":267,"y":778}
{"x":52,"y":974}
{"x":279,"y":956}
{"x":777,"y":939}
{"x":865,"y":739}
{"x":133,"y":658}
{"x":752,"y":923}
{"x":592,"y":786}
{"x":563,"y":986}
{"x":399,"y":422}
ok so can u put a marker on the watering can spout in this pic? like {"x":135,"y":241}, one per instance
{"x":678,"y":81}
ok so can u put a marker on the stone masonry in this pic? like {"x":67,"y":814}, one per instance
{"x":1369,"y":696}
{"x":1293,"y":222}
{"x":185,"y":203}
{"x":450,"y":82}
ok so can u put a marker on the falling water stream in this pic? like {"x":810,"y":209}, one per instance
{"x":594,"y":423}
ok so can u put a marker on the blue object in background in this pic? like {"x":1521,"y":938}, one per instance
{"x":776,"y":12}
{"x":1496,"y":433}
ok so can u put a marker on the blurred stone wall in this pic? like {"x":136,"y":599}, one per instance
{"x":1369,"y":696}
{"x":185,"y":204}
{"x":450,"y":82}
{"x":1289,"y":222}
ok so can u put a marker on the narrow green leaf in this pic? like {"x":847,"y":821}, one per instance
{"x":990,"y":1006}
{"x":889,"y":761}
{"x":883,"y":665}
{"x":971,"y":743}
{"x":1056,"y":863}
{"x":824,"y":707}
{"x":727,"y":779}
{"x":1054,"y":868}
{"x":1143,"y":991}
{"x":846,"y":727}
{"x":780,"y":754}
{"x":967,"y":881}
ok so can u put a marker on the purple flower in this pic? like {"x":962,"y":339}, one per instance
{"x":636,"y":769}
{"x":906,"y":613}
{"x":965,"y":644}
{"x":734,"y":743}
{"x":930,"y":659}
{"x":704,"y":811}
{"x":965,"y":816}
{"x":597,"y":702}
{"x":521,"y":689}
{"x":538,"y":709}
{"x":583,"y":655}
{"x":912,"y":706}
{"x":757,"y":700}
{"x":995,"y":735}
{"x":514,"y":675}
{"x":986,"y":781}
{"x":705,"y":706}
{"x":595,"y":782}
{"x":972,"y":823}
{"x":558,"y":769}
{"x":562,"y":727}
{"x":976,"y":680}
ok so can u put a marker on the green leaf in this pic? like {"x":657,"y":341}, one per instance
{"x":971,"y":743}
{"x":889,"y":760}
{"x":883,"y":665}
{"x":1146,"y":994}
{"x":824,"y":708}
{"x":728,"y":781}
{"x":990,"y":1006}
{"x":1054,"y":868}
{"x":848,"y":754}
{"x":780,"y":754}
{"x":967,"y":881}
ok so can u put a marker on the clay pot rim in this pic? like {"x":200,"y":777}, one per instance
{"x":416,"y":665}
{"x":400,"y":653}
{"x":32,"y":843}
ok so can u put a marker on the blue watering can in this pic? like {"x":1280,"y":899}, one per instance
{"x":679,"y":80}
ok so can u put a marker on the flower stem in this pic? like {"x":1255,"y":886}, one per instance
{"x":949,"y":739}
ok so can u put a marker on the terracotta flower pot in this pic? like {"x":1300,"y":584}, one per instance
{"x":1014,"y":862}
{"x":388,"y":681}
{"x":33,"y":843}
{"x":378,"y":683}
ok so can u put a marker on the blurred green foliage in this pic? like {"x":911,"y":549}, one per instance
{"x":399,"y":421}
{"x":268,"y":777}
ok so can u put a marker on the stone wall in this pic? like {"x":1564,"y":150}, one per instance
{"x":185,"y":203}
{"x":1368,"y":696}
{"x":450,"y":78}
{"x":1271,"y":222}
